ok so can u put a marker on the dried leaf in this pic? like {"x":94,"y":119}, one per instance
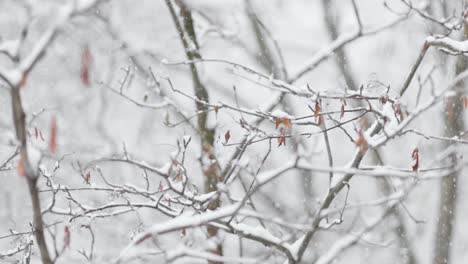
{"x":415,"y":156}
{"x":53,"y":135}
{"x":282,"y":138}
{"x":383,"y":99}
{"x":227,"y":136}
{"x":317,"y":108}
{"x":66,"y":238}
{"x":398,"y":112}
{"x":85,"y":65}
{"x":281,"y":141}
{"x":87,"y":178}
{"x":282,"y":120}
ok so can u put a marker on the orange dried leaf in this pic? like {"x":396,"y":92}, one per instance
{"x":53,"y":135}
{"x":283,"y":120}
{"x":281,"y":141}
{"x":317,"y":108}
{"x":282,"y":138}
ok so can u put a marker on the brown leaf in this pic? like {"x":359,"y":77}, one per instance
{"x":66,"y":238}
{"x":85,"y":65}
{"x":87,"y":178}
{"x":398,"y":112}
{"x":53,"y":135}
{"x":317,"y":108}
{"x":282,"y":138}
{"x":383,"y":99}
{"x":227,"y":136}
{"x":415,"y":156}
{"x":282,"y":120}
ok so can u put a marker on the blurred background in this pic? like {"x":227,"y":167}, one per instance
{"x":129,"y":49}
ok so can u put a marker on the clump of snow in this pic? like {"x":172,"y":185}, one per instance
{"x":280,"y":114}
{"x":389,"y":113}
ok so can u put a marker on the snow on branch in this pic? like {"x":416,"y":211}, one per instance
{"x":10,"y":47}
{"x":14,"y":76}
{"x":185,"y":220}
{"x":347,"y":241}
{"x":448,"y":44}
{"x":183,"y":251}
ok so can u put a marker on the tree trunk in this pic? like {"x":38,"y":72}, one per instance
{"x":207,"y":135}
{"x":454,"y":124}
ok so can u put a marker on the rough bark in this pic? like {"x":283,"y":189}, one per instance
{"x":208,"y":161}
{"x":454,"y":123}
{"x":19,"y":119}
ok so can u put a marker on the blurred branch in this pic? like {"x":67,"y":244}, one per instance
{"x":341,"y":41}
{"x":454,"y":125}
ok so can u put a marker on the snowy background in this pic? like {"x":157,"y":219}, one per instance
{"x":129,"y":110}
